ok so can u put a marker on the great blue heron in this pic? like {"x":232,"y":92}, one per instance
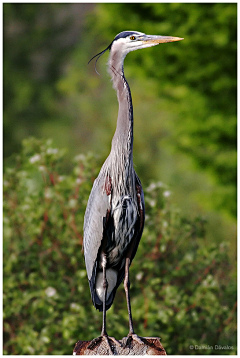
{"x":114,"y":217}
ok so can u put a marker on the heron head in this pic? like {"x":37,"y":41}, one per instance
{"x":127,"y":41}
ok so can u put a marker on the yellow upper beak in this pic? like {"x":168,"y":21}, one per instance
{"x":160,"y":39}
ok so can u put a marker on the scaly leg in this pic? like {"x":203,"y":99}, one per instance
{"x":104,"y":335}
{"x":105,"y":287}
{"x":131,"y":334}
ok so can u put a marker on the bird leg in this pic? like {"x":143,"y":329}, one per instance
{"x":131,"y":335}
{"x":104,"y":336}
{"x":104,"y":333}
{"x":105,"y":287}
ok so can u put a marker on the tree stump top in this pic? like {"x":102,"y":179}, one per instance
{"x":151,"y":346}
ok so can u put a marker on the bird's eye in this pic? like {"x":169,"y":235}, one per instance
{"x":132,"y":38}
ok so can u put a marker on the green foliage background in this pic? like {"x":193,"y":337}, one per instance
{"x":184,"y":97}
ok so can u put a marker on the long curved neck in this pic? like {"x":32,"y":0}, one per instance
{"x":123,"y":137}
{"x":119,"y":164}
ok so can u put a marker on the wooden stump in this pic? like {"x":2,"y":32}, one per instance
{"x":151,"y":346}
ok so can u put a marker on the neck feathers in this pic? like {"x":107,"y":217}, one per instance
{"x":122,"y":172}
{"x":123,"y":136}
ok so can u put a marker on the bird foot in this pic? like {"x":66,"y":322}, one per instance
{"x":134,"y":337}
{"x":109,"y":340}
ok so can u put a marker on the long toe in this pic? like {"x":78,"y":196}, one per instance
{"x":134,"y":337}
{"x":110,"y":346}
{"x":117,"y":343}
{"x":106,"y":342}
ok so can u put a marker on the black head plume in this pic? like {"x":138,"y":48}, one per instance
{"x":99,"y":55}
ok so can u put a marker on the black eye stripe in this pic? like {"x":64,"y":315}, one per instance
{"x":125,"y":34}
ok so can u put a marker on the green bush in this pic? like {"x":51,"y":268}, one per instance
{"x":183,"y":289}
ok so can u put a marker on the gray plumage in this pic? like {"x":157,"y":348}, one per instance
{"x":114,"y":217}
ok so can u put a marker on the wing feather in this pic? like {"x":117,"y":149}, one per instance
{"x":94,"y":221}
{"x":98,"y":221}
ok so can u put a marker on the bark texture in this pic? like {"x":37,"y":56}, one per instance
{"x":150,"y":346}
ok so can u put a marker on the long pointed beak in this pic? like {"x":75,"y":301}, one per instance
{"x":152,"y":39}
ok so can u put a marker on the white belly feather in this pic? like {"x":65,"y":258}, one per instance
{"x":111,"y":276}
